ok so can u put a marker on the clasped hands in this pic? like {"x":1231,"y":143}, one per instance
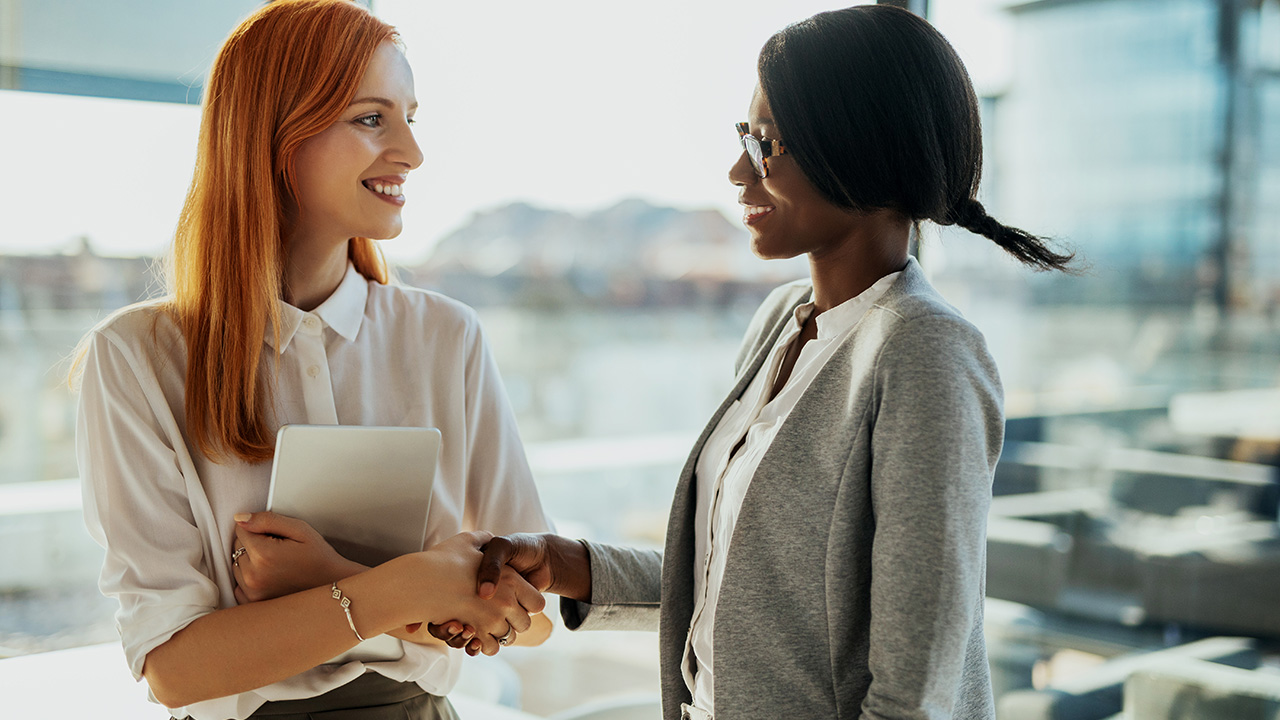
{"x":546,"y":561}
{"x":469,"y":598}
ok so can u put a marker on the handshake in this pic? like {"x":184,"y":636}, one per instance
{"x":510,"y":567}
{"x":490,"y":586}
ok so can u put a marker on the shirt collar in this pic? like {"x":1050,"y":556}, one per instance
{"x":343,"y":311}
{"x":840,"y":319}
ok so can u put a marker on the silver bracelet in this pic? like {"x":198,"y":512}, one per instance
{"x":345,"y":602}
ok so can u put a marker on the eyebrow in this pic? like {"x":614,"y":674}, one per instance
{"x":754,"y":122}
{"x":381,"y":101}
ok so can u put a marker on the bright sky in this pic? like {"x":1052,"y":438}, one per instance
{"x":570,"y":104}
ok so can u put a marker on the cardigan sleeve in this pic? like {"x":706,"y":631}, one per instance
{"x":626,"y":591}
{"x":937,"y":433}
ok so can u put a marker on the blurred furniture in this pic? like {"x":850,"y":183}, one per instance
{"x":1099,"y":693}
{"x":1142,"y":537}
{"x":1253,"y":414}
{"x":1186,"y":688}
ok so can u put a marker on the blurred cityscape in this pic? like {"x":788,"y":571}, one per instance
{"x":1134,"y":546}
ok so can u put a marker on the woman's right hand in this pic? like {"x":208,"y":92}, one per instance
{"x":453,"y":566}
{"x":548,"y":562}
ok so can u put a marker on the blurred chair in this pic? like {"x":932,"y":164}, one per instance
{"x":1099,"y":693}
{"x":1184,"y":688}
{"x":1144,"y":537}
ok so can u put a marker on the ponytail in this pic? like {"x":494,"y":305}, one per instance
{"x":1027,"y":248}
{"x":897,"y":126}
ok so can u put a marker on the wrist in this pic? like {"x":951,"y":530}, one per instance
{"x":387,"y":592}
{"x":341,"y":568}
{"x":571,"y":564}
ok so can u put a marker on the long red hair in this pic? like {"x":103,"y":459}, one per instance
{"x":284,"y":75}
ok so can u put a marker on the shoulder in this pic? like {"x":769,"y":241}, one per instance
{"x":934,"y":339}
{"x":926,"y":344}
{"x":138,"y":345}
{"x":422,"y":308}
{"x":914,"y":316}
{"x":142,"y":329}
{"x":912,"y":296}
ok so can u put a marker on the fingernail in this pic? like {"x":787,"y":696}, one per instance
{"x":455,"y":628}
{"x":468,"y":635}
{"x":486,"y":588}
{"x":243,"y":517}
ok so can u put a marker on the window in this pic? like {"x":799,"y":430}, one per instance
{"x":1136,"y":507}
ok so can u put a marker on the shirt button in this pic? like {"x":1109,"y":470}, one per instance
{"x":311,"y":323}
{"x":313,"y":371}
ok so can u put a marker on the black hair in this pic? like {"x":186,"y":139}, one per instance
{"x":879,"y":112}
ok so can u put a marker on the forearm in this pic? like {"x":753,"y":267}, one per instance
{"x":245,"y":647}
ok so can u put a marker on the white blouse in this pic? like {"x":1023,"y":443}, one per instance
{"x":723,"y":476}
{"x":371,"y":354}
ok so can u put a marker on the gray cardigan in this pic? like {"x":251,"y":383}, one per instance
{"x":855,"y":576}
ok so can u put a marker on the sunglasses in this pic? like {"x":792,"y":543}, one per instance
{"x":758,"y":150}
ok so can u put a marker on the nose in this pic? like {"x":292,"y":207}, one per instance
{"x":741,"y":172}
{"x":404,"y":149}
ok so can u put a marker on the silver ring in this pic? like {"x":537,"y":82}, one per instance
{"x":507,"y":639}
{"x":235,"y":556}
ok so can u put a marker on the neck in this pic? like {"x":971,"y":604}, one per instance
{"x":876,"y":248}
{"x":311,"y":277}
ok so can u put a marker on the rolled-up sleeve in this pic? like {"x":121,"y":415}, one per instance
{"x":135,"y":501}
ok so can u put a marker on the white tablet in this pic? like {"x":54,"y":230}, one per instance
{"x":367,"y":490}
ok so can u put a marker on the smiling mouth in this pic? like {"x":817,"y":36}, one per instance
{"x":391,"y":190}
{"x":752,"y":214}
{"x":387,"y":192}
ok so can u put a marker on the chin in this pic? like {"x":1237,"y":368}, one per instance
{"x":764,"y":251}
{"x":384,"y":233}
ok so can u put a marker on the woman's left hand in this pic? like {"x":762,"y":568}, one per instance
{"x":277,"y":555}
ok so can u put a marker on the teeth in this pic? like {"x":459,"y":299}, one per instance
{"x":392,"y":190}
{"x":756,"y":210}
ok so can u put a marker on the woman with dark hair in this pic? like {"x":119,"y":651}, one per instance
{"x":280,"y":310}
{"x":825,"y":554}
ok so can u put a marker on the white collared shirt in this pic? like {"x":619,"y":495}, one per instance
{"x":371,"y":354}
{"x":723,"y":480}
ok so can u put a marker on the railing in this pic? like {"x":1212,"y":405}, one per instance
{"x":546,"y":459}
{"x":46,"y":546}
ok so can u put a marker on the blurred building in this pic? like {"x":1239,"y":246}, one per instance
{"x":1147,"y":133}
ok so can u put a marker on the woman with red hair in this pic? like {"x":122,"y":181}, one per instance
{"x":279,"y":311}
